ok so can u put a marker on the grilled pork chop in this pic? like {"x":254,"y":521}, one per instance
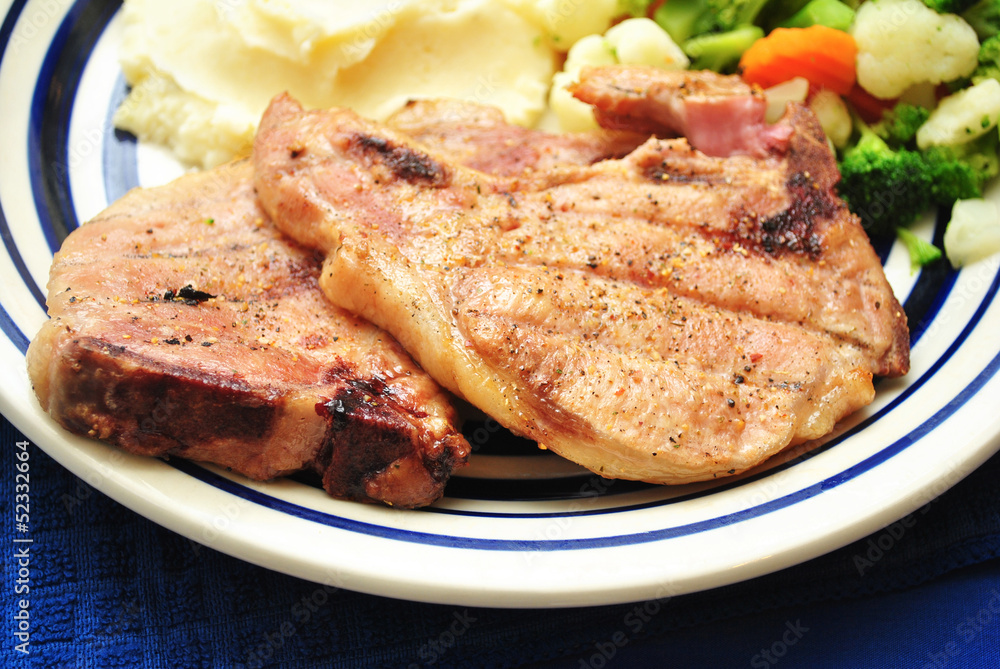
{"x":667,"y":317}
{"x":184,"y":323}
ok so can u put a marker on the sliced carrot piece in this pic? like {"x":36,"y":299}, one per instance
{"x":825,"y":56}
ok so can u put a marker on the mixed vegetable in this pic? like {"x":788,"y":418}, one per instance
{"x":908,"y":92}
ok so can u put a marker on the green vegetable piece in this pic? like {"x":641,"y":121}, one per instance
{"x":952,"y":178}
{"x":732,"y":14}
{"x":949,"y":6}
{"x":959,"y":172}
{"x":889,"y":187}
{"x":777,"y":12}
{"x":829,"y":13}
{"x":989,"y":60}
{"x":634,"y":7}
{"x":885,"y":188}
{"x":721,"y":51}
{"x":898,"y":126}
{"x":984,"y":17}
{"x":684,"y":19}
{"x":921,"y":251}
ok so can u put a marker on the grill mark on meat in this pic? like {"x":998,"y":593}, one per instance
{"x":403,"y":161}
{"x":790,"y":230}
{"x":477,"y":136}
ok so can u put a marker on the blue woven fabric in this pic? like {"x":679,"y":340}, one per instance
{"x":110,"y":589}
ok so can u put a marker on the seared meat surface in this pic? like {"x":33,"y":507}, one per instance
{"x":477,"y":136}
{"x":670,"y":316}
{"x":184,"y":323}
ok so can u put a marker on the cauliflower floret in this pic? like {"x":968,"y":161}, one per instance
{"x":641,"y":42}
{"x":904,"y":42}
{"x":973,"y":232}
{"x":573,"y":115}
{"x":962,"y":116}
{"x":633,"y":42}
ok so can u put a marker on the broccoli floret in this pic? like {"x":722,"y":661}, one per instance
{"x":921,"y":252}
{"x":949,"y":6}
{"x":721,"y":51}
{"x":899,"y":125}
{"x":989,"y":60}
{"x":778,"y":11}
{"x":984,"y":17}
{"x":886,"y":188}
{"x":684,"y":19}
{"x":890,"y":187}
{"x":829,"y":13}
{"x":983,"y":154}
{"x":951,"y":177}
{"x":960,"y":171}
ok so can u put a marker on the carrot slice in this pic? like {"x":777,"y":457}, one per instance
{"x":824,"y":56}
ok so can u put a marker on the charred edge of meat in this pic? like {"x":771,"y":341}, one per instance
{"x":791,"y":230}
{"x":365,"y":413}
{"x":150,"y":410}
{"x":403,"y":161}
{"x":188,"y":295}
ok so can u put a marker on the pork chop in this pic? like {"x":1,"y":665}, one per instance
{"x":668,"y":317}
{"x":184,"y":323}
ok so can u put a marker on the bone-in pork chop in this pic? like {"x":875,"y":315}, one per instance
{"x":184,"y":323}
{"x":667,"y":317}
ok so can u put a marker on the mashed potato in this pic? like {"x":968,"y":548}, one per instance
{"x":202,"y":71}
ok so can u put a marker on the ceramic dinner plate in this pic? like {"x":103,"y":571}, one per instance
{"x":520,"y":527}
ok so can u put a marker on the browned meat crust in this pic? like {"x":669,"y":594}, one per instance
{"x":669,"y":317}
{"x":477,"y":136}
{"x":184,"y":323}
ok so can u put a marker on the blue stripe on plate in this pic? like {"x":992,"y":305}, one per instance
{"x":7,"y":325}
{"x":14,"y":334}
{"x":51,"y":110}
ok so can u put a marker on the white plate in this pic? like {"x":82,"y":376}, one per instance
{"x":515,"y":530}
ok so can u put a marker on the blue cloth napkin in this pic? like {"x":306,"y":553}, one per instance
{"x":103,"y":587}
